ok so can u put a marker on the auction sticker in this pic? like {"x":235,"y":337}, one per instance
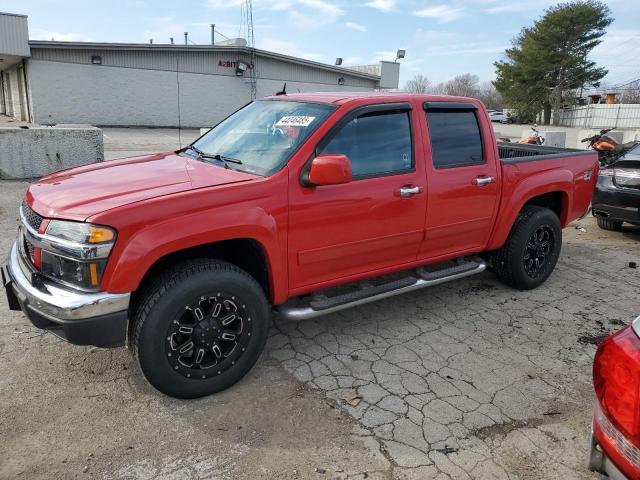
{"x":295,"y":121}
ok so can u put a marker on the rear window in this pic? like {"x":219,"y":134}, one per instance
{"x":455,"y":138}
{"x":635,"y":151}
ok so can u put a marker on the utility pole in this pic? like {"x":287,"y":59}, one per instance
{"x":213,"y":33}
{"x":251,"y":43}
{"x":186,"y":38}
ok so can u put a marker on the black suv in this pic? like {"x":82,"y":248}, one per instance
{"x":617,"y":195}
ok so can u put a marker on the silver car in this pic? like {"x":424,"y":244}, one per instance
{"x":501,"y":117}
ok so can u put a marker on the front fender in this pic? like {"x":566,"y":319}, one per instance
{"x":523,"y":189}
{"x":134,"y":256}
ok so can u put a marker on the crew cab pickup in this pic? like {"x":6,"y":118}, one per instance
{"x":300,"y":204}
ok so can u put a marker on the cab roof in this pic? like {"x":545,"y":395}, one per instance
{"x":340,"y":98}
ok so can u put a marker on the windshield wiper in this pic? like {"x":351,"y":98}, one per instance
{"x":216,"y":156}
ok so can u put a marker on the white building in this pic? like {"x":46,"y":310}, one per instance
{"x":49,"y":82}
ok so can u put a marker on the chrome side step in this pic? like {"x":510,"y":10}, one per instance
{"x":420,"y":278}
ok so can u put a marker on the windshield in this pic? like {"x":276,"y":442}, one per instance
{"x":264,"y":134}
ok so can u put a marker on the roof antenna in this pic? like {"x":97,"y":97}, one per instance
{"x":284,"y":90}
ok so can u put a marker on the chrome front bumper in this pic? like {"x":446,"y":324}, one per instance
{"x":57,"y":303}
{"x":82,"y":318}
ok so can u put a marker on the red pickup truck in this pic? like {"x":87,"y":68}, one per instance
{"x":303,"y":204}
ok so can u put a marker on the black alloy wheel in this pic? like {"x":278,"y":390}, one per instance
{"x":209,"y":336}
{"x":536,"y":253}
{"x":199,"y":327}
{"x":532,"y":249}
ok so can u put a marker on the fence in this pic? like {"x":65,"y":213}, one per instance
{"x":602,"y":116}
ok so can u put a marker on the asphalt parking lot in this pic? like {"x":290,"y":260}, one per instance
{"x":469,"y":379}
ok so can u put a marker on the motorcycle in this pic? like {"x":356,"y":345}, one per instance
{"x":534,"y":138}
{"x":608,"y":148}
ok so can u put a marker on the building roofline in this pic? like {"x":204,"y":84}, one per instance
{"x":14,"y":14}
{"x":199,"y":48}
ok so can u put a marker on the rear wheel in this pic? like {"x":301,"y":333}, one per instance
{"x":531,"y":252}
{"x":608,"y":224}
{"x":200,"y":327}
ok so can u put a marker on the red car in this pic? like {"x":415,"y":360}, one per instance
{"x":615,"y":442}
{"x":183,"y":255}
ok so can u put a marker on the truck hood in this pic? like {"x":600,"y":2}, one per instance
{"x":79,"y":193}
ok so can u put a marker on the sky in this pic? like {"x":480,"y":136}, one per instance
{"x":442,"y":38}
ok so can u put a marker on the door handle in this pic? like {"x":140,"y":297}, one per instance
{"x":410,"y":190}
{"x":480,"y":181}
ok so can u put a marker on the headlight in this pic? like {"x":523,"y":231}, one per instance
{"x":84,"y":275}
{"x":80,"y":232}
{"x":605,"y":178}
{"x":76,"y":253}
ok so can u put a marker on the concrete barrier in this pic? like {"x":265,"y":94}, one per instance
{"x":38,"y":151}
{"x":554,"y":138}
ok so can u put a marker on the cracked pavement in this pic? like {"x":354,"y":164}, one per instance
{"x":469,"y":379}
{"x":496,"y":374}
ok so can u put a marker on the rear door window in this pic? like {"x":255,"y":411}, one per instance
{"x":455,"y":138}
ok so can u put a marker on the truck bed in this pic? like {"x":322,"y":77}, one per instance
{"x":570,"y":173}
{"x":518,"y":152}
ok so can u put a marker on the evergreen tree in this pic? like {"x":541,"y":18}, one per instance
{"x":551,"y":58}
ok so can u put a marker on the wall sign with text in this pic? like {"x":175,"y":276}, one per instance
{"x":233,"y":64}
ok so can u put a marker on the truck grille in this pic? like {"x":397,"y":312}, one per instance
{"x":29,"y":249}
{"x":32,"y":218}
{"x":34,"y":221}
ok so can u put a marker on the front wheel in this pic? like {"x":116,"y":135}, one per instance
{"x":199,"y":328}
{"x":531,"y":252}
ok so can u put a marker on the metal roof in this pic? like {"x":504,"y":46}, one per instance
{"x":200,"y":48}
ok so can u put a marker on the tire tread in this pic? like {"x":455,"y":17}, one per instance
{"x":503,"y":259}
{"x":171,"y":277}
{"x":608,"y":224}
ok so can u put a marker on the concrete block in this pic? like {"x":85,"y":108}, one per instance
{"x":631,"y":136}
{"x":35,"y":152}
{"x":554,"y":138}
{"x":617,"y":134}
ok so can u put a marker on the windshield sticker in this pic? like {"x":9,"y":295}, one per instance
{"x":295,"y":121}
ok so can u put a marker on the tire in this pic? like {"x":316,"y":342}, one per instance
{"x":216,"y":301}
{"x":524,"y":262}
{"x":608,"y":224}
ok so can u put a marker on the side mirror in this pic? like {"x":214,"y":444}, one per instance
{"x":330,"y":169}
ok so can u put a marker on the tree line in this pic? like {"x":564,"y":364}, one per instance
{"x":465,"y":85}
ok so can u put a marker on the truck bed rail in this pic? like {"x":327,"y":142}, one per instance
{"x":520,"y":152}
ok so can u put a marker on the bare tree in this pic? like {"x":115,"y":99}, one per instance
{"x":631,"y":93}
{"x":465,"y":85}
{"x":488,"y":95}
{"x":418,"y":84}
{"x":439,"y":89}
